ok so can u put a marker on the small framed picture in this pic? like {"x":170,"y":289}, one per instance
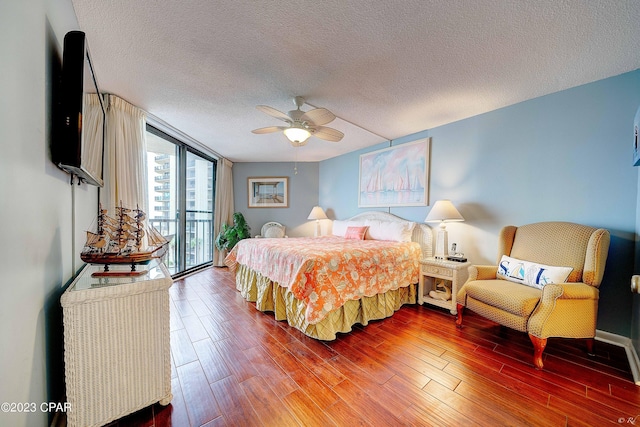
{"x":268,"y":192}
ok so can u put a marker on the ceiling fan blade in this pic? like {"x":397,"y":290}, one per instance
{"x":328,"y":134}
{"x":269,"y":129}
{"x":318,"y":116}
{"x":274,"y":113}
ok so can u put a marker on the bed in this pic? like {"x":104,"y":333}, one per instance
{"x":325,"y":285}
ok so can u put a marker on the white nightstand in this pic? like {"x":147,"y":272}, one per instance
{"x":454,"y":272}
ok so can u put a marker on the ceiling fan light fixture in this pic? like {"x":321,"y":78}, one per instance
{"x":297,"y":135}
{"x":301,"y":125}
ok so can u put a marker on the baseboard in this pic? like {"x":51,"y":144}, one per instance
{"x":632,"y":355}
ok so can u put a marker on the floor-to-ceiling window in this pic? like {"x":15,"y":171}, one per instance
{"x":199,"y":211}
{"x":181,"y":198}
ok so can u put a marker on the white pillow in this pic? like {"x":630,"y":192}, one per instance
{"x":340,"y":227}
{"x":397,"y":231}
{"x":530,"y":273}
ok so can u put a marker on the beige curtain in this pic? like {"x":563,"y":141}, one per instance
{"x":125,"y":170}
{"x":92,"y":132}
{"x":223,"y":212}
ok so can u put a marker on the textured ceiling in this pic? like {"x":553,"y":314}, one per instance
{"x":394,"y":67}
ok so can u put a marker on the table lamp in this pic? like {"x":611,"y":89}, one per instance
{"x":317,"y":213}
{"x":443,"y":211}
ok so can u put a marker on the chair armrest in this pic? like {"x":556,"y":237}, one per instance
{"x":482,"y":272}
{"x":577,"y":290}
{"x":551,"y":292}
{"x":562,"y":301}
{"x":476,"y":272}
{"x":565,"y":291}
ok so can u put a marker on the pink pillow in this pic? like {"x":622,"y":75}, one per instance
{"x":356,"y":233}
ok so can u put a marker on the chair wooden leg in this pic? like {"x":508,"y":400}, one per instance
{"x":590,"y":351}
{"x":460,"y":309}
{"x":538,"y":345}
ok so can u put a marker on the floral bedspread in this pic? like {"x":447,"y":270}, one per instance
{"x":325,"y":272}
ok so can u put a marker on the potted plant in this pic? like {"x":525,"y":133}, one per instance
{"x":230,"y":235}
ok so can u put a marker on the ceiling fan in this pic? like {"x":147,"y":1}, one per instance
{"x":301,"y":125}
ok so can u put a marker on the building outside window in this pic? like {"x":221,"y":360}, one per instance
{"x":174,"y":189}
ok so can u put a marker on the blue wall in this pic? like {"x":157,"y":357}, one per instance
{"x":565,"y":156}
{"x":303,"y":196}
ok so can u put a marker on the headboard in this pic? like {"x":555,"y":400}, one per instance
{"x":421,"y":232}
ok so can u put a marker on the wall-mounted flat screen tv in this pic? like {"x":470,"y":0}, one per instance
{"x":78,"y":147}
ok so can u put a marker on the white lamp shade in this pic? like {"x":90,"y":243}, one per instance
{"x":297,"y":134}
{"x":317,"y":213}
{"x":443,"y":211}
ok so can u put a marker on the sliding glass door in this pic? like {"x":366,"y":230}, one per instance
{"x":181,"y":199}
{"x":199,"y":211}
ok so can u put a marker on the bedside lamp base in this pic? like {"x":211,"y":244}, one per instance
{"x":442,"y":243}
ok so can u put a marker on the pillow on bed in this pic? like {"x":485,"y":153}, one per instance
{"x":531,"y":273}
{"x":397,"y":231}
{"x":340,"y":227}
{"x":356,"y":233}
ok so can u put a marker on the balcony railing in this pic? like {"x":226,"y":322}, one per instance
{"x":198,"y":238}
{"x":163,"y":177}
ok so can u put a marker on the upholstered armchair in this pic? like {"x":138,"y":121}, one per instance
{"x":545,"y":284}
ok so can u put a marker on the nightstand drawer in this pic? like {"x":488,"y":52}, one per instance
{"x":442,"y":271}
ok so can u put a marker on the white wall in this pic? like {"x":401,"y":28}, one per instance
{"x":38,"y":255}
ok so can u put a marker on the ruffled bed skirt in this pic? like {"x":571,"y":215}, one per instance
{"x":269,"y":296}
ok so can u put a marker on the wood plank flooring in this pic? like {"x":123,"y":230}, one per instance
{"x":235,"y":366}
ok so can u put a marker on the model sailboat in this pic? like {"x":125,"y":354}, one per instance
{"x":120,"y":240}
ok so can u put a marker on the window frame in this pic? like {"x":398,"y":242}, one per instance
{"x":182,"y":148}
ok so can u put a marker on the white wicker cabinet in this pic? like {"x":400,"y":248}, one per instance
{"x":116,"y":344}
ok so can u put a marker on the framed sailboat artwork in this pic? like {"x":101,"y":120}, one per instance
{"x":395,"y":176}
